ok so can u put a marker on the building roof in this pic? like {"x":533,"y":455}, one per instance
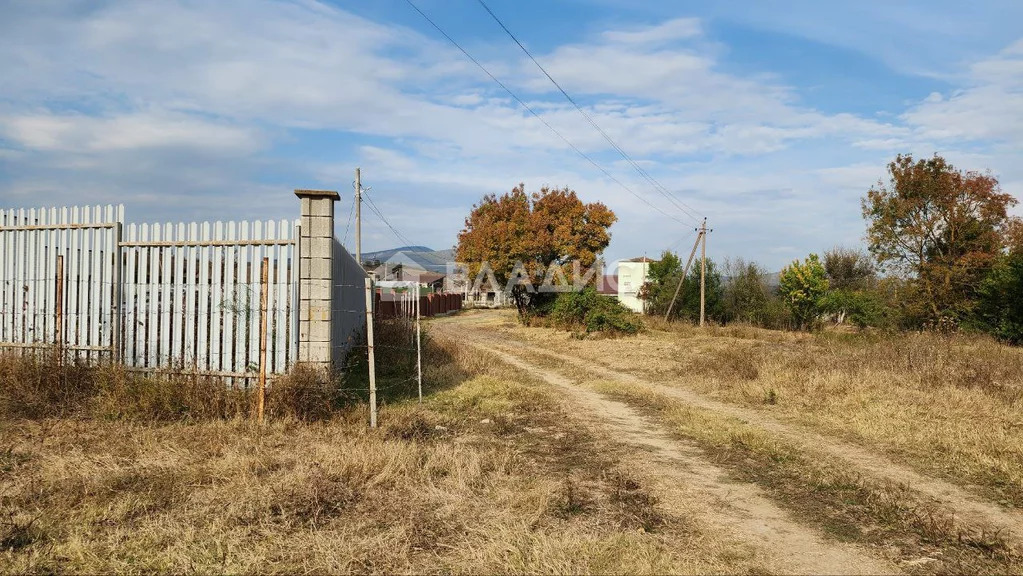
{"x":608,"y":284}
{"x":640,"y":259}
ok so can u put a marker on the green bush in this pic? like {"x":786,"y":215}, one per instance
{"x":803,"y":285}
{"x":1000,"y":310}
{"x":589,"y":311}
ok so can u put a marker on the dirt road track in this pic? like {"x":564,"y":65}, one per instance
{"x":964,"y":505}
{"x":739,"y":508}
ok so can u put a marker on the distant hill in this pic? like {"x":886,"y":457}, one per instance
{"x":383,"y":255}
{"x":414,"y":256}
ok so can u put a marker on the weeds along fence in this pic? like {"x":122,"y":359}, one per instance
{"x":176,"y":298}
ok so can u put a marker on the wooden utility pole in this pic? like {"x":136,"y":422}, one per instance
{"x":372,"y":357}
{"x":263,"y":293}
{"x":685,"y":271}
{"x":358,"y":216}
{"x":419,"y":346}
{"x":703,"y":273}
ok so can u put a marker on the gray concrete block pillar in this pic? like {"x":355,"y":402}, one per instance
{"x":315,"y":268}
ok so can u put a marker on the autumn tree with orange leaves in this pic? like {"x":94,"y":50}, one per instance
{"x":939,"y":228}
{"x":552,"y":226}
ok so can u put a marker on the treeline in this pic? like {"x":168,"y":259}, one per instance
{"x":942,"y":253}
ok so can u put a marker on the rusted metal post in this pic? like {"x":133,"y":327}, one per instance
{"x":264,"y":286}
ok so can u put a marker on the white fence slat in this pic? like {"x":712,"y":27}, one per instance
{"x":49,"y":273}
{"x":72,"y":264}
{"x":203,"y":309}
{"x":254,"y":290}
{"x":96,"y":303}
{"x":164,"y":355}
{"x":179,"y":292}
{"x":219,"y":259}
{"x":242,"y":309}
{"x":31,"y":278}
{"x":274,"y":308}
{"x":191,"y":319}
{"x":153,"y":296}
{"x":230,"y":298}
{"x":110,"y":260}
{"x":128,"y":278}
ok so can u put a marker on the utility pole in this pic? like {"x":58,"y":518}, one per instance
{"x":703,"y":273}
{"x":372,"y":356}
{"x":685,"y":271}
{"x":419,"y":345}
{"x":358,"y":216}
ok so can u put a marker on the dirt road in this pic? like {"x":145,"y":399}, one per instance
{"x":742,"y":509}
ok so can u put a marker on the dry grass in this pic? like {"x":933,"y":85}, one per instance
{"x":489,"y":475}
{"x":825,"y":493}
{"x":949,"y":405}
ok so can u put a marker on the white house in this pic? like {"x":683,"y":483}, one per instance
{"x":632,"y":274}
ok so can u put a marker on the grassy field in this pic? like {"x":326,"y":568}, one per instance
{"x":496,"y":472}
{"x":949,"y":405}
{"x":490,"y":474}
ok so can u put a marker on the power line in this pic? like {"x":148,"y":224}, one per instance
{"x":401,"y":237}
{"x":537,"y":115}
{"x":688,"y":210}
{"x":348,"y":226}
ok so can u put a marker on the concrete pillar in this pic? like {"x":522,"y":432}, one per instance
{"x":315,"y":270}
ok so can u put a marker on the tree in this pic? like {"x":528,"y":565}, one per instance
{"x":746,"y":295}
{"x":939,"y":227}
{"x":662,"y":281}
{"x":548,"y":227}
{"x":851,"y":281}
{"x":688,"y":306}
{"x":849,"y":269}
{"x":803,"y":286}
{"x":1000,"y":310}
{"x":662,"y":276}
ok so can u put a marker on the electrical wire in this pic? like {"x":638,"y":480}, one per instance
{"x":351,"y":212}
{"x":522,"y":103}
{"x":401,"y":237}
{"x":685,"y":208}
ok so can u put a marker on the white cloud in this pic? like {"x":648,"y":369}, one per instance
{"x":77,"y":133}
{"x":989,"y":108}
{"x":676,"y":29}
{"x":181,"y":106}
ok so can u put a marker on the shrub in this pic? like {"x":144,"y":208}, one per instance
{"x":803,"y":286}
{"x":1000,"y":310}
{"x":589,"y":311}
{"x":746,"y":294}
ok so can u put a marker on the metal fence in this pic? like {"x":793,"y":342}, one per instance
{"x":59,"y":279}
{"x":168,"y":297}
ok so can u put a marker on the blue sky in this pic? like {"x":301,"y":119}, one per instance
{"x":770,"y":118}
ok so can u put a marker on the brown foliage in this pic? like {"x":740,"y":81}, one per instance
{"x":940,"y":226}
{"x":552,"y":226}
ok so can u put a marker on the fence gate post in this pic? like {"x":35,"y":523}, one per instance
{"x":315,"y":270}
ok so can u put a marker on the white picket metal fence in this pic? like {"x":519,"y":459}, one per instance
{"x":192,"y":296}
{"x":33,"y":243}
{"x":155,"y":297}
